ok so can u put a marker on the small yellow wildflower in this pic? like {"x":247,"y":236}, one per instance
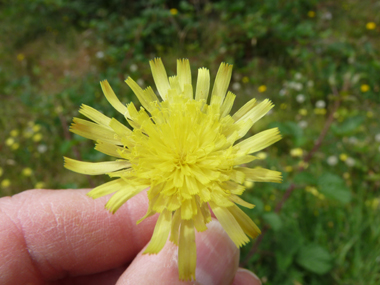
{"x":20,"y":57}
{"x":288,"y":168}
{"x":5,"y":183}
{"x":173,"y":11}
{"x":370,"y":26}
{"x":364,"y":88}
{"x":346,"y":175}
{"x":283,"y":106}
{"x":343,"y":157}
{"x":245,"y":79}
{"x":296,"y":152}
{"x":267,"y":208}
{"x":311,"y":14}
{"x":27,"y":171}
{"x":15,"y":146}
{"x":248,"y":184}
{"x":262,"y":88}
{"x":37,"y":137}
{"x":36,"y":128}
{"x":302,"y":112}
{"x":184,"y":149}
{"x":320,"y":111}
{"x":39,"y":185}
{"x":14,"y":133}
{"x":9,"y":141}
{"x":261,"y":155}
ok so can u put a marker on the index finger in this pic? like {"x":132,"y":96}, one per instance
{"x":50,"y":234}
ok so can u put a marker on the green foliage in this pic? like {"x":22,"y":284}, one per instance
{"x":53,"y":53}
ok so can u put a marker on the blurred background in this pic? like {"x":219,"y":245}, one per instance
{"x":318,"y":61}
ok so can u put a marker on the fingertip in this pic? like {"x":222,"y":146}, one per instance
{"x":245,"y":277}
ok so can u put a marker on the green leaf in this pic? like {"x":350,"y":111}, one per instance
{"x":348,"y":126}
{"x":273,"y":220}
{"x":314,"y":258}
{"x":305,"y":178}
{"x":332,"y":186}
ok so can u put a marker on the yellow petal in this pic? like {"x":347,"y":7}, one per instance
{"x":160,"y":234}
{"x":95,"y":168}
{"x":122,"y":196}
{"x":95,"y":115}
{"x":222,"y":80}
{"x":176,"y":222}
{"x":183,"y":73}
{"x":258,"y":142}
{"x":93,"y":131}
{"x":241,"y":202}
{"x":109,"y":149}
{"x":260,"y":174}
{"x":245,"y":222}
{"x":187,"y":251}
{"x":112,"y":98}
{"x":145,"y":97}
{"x":243,"y":110}
{"x":225,"y":109}
{"x":160,"y":77}
{"x":199,"y":221}
{"x":107,"y":188}
{"x":230,"y":225}
{"x":203,"y":84}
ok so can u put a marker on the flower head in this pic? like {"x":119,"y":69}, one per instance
{"x":184,"y":149}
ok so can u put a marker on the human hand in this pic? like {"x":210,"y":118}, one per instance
{"x":64,"y":237}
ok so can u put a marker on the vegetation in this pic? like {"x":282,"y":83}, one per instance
{"x":317,"y":60}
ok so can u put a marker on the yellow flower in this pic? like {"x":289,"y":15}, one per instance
{"x":36,"y":128}
{"x":20,"y":57}
{"x":15,"y":146}
{"x":370,"y":26}
{"x":262,"y":88}
{"x":39,"y":185}
{"x":364,"y":88}
{"x":343,"y":157}
{"x":267,"y":208}
{"x":261,"y":155}
{"x":184,"y":149}
{"x":296,"y":152}
{"x":248,"y":184}
{"x":37,"y":137}
{"x":5,"y":183}
{"x":311,"y":14}
{"x":320,"y":111}
{"x":27,"y":171}
{"x":288,"y":168}
{"x":14,"y":133}
{"x":245,"y":79}
{"x":302,"y":112}
{"x":9,"y":141}
{"x":173,"y":11}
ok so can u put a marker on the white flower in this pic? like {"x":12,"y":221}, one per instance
{"x":282,"y":92}
{"x":140,"y":81}
{"x":350,"y":161}
{"x":42,"y":148}
{"x":99,"y":54}
{"x":300,"y":98}
{"x":327,"y":15}
{"x":236,"y":86}
{"x":298,"y":86}
{"x":320,"y":104}
{"x":298,"y":76}
{"x":133,"y":67}
{"x":377,"y":138}
{"x":332,"y":160}
{"x":310,"y":83}
{"x":302,"y":124}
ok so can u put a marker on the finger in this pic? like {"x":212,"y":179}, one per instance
{"x":245,"y":277}
{"x":217,"y":261}
{"x":50,"y":234}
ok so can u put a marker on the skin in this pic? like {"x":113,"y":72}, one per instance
{"x":65,"y":237}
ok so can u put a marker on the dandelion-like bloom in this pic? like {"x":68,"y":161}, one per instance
{"x":184,"y":149}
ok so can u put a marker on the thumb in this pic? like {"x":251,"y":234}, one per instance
{"x":217,"y":261}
